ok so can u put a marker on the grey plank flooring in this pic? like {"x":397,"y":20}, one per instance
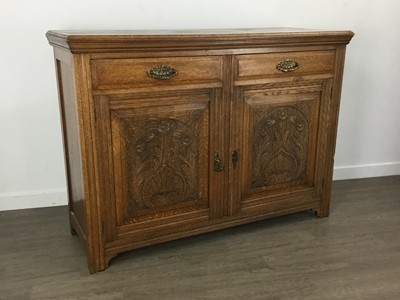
{"x":353,"y":254}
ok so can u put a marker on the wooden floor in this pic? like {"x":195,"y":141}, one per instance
{"x":353,"y":254}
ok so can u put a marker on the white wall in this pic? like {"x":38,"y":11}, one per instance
{"x":31,"y":160}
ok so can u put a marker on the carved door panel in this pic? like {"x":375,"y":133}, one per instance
{"x":280,"y":163}
{"x":158,"y":153}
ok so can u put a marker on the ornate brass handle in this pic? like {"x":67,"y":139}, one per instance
{"x":162,"y":72}
{"x":288,"y":65}
{"x":218,"y":166}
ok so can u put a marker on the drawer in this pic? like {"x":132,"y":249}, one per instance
{"x":292,"y":64}
{"x":143,"y":72}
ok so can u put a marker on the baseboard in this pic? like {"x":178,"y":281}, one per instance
{"x":46,"y":198}
{"x":366,"y":171}
{"x":23,"y":200}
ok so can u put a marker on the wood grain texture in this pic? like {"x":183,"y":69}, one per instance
{"x":264,"y":65}
{"x":354,"y":255}
{"x":71,"y":138}
{"x":93,"y":190}
{"x":223,"y":139}
{"x":333,"y":111}
{"x":279,"y":137}
{"x":161,"y":156}
{"x":125,"y":73}
{"x":132,"y":41}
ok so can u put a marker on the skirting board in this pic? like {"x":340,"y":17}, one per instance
{"x":24,"y":200}
{"x":366,"y":171}
{"x":11,"y":201}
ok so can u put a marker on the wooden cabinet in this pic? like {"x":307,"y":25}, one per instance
{"x":172,"y":134}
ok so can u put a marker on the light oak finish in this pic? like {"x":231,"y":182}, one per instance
{"x":133,"y":73}
{"x":220,"y":138}
{"x":352,"y":255}
{"x":264,"y":65}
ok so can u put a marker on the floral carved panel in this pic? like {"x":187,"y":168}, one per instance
{"x":280,"y":145}
{"x":163,"y":158}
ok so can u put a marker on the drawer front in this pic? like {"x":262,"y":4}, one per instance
{"x":291,"y":64}
{"x":142,"y":72}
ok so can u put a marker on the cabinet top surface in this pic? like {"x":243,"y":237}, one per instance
{"x":124,"y":40}
{"x":223,"y":31}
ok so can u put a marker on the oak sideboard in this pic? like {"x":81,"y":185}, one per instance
{"x":169,"y":134}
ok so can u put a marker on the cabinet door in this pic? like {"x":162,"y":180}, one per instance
{"x":281,"y":134}
{"x":155,"y":162}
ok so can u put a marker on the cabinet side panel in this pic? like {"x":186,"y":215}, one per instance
{"x":72,"y":150}
{"x":333,"y":113}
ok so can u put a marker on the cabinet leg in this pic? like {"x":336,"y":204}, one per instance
{"x":72,"y":230}
{"x":321,"y":213}
{"x":99,"y":265}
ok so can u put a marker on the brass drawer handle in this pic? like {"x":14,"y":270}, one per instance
{"x":218,"y":166}
{"x":288,"y":65}
{"x":162,"y":72}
